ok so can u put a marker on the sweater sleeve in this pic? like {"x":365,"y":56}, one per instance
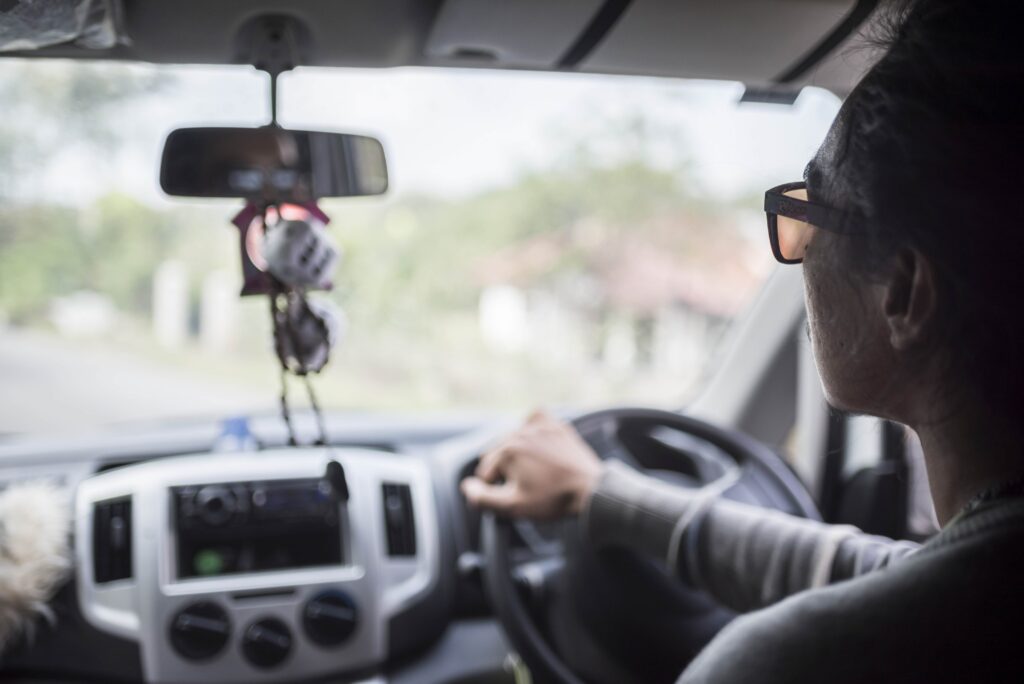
{"x":746,"y":557}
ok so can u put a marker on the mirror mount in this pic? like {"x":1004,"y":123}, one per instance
{"x":270,"y":43}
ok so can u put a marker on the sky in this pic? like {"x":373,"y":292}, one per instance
{"x":456,"y":132}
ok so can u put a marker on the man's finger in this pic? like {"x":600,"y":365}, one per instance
{"x":538,"y":415}
{"x":501,"y":497}
{"x":492,"y":463}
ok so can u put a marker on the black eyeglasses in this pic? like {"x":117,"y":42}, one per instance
{"x":793,"y":220}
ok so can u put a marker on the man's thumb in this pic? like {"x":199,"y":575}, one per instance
{"x":499,"y":497}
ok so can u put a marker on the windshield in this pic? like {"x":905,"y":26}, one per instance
{"x":547,"y":239}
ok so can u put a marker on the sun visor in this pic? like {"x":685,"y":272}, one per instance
{"x":753,"y":41}
{"x":31,"y":25}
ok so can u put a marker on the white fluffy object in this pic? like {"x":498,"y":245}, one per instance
{"x":35,"y":554}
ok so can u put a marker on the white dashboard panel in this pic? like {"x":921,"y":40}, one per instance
{"x":141,"y":608}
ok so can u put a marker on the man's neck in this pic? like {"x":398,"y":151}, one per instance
{"x":966,"y":453}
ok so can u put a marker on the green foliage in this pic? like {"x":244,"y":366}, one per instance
{"x":112,"y":246}
{"x":127,"y":240}
{"x":417,"y":254}
{"x":39,"y":256}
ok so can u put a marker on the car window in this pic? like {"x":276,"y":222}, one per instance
{"x":552,"y":239}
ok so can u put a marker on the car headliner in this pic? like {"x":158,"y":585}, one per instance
{"x":774,"y":46}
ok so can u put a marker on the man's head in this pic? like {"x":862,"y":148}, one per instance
{"x":929,"y":150}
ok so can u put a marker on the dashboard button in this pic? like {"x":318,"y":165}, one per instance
{"x":267,"y":642}
{"x":216,"y":504}
{"x":330,"y":618}
{"x":200,"y":630}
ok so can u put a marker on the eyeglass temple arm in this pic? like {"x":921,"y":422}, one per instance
{"x":835,"y":220}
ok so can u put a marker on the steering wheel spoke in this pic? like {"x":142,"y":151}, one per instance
{"x":538,"y":581}
{"x":603,"y":436}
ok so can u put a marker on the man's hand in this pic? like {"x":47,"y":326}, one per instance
{"x":542,"y":470}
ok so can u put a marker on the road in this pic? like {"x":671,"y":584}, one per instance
{"x":50,"y":385}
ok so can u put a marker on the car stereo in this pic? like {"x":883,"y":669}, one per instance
{"x":245,"y":527}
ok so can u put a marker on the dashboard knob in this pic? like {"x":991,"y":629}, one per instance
{"x":200,"y":630}
{"x":330,"y":618}
{"x":216,"y":504}
{"x":267,"y":642}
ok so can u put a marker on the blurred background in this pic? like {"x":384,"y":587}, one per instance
{"x":559,"y":240}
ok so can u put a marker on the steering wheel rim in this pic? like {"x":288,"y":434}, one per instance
{"x":781,"y":489}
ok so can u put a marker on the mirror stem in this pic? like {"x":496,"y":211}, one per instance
{"x":273,"y":98}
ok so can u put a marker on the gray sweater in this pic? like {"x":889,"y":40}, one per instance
{"x":830,"y":604}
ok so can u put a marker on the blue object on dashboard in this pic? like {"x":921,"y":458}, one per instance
{"x":235,"y":435}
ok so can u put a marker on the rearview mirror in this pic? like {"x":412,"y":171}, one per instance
{"x":271,"y":164}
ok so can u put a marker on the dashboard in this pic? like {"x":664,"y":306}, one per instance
{"x":228,"y":568}
{"x":352,"y":563}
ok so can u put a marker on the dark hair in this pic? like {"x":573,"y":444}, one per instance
{"x":930,"y":149}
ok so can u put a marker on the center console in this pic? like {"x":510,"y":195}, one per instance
{"x":260,"y":566}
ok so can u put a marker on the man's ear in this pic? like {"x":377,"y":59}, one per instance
{"x":910,"y":299}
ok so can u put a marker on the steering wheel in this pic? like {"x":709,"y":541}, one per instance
{"x":575,"y":614}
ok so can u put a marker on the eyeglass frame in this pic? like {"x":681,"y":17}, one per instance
{"x":777,"y":203}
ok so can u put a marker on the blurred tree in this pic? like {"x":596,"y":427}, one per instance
{"x":46,"y":249}
{"x":39,"y":256}
{"x":416,"y":255}
{"x":50,"y":105}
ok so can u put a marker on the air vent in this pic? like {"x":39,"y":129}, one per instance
{"x":112,"y":540}
{"x":398,"y":520}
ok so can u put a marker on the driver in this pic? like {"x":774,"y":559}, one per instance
{"x":909,"y":225}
